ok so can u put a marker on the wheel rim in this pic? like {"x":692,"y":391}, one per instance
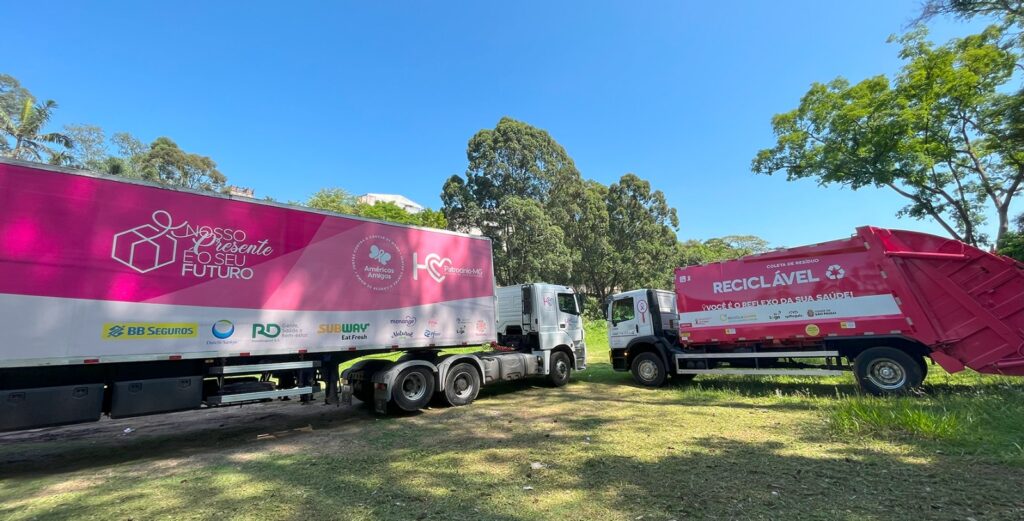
{"x":887,"y":374}
{"x":462,"y":386}
{"x":414,"y":386}
{"x":647,"y":370}
{"x":561,"y":368}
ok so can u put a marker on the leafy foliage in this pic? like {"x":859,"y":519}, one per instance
{"x":543,"y":255}
{"x":23,"y":135}
{"x":515,"y":160}
{"x":937,"y":134}
{"x":339,"y":200}
{"x":719,"y":249}
{"x":166,"y":163}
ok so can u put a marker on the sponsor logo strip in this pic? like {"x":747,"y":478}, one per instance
{"x":149,"y":330}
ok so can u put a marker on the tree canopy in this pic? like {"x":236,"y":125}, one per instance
{"x":520,"y":179}
{"x":935,"y":133}
{"x":339,"y":200}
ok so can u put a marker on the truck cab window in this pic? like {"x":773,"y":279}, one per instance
{"x":622,"y":310}
{"x":567,"y":303}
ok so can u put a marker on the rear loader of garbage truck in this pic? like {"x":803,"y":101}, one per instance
{"x":123,"y":297}
{"x":878,"y":304}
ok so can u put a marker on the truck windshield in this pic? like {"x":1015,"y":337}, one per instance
{"x":567,"y":303}
{"x":622,"y":309}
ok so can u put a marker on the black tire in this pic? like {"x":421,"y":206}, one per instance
{"x":884,"y":371}
{"x":461,"y":384}
{"x":364,"y":392}
{"x":648,"y":370}
{"x":561,"y":369}
{"x":413,"y":388}
{"x":923,"y":362}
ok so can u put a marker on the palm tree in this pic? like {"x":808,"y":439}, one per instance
{"x":25,"y":132}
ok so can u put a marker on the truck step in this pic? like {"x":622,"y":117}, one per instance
{"x":261,"y":395}
{"x":260,"y":368}
{"x":772,"y":372}
{"x":763,"y":354}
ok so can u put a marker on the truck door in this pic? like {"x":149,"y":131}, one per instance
{"x":545,"y":317}
{"x":569,"y":317}
{"x":630,"y":317}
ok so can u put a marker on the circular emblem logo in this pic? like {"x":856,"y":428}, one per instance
{"x":641,"y":306}
{"x":835,"y":272}
{"x":223,"y":329}
{"x":812,"y":330}
{"x":378,"y":262}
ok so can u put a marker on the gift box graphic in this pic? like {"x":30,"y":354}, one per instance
{"x":149,"y":246}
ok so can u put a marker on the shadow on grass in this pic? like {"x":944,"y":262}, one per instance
{"x":733,"y":479}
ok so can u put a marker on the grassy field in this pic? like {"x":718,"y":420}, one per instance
{"x":598,"y":449}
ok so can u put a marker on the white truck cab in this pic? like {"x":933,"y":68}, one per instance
{"x":539,"y":326}
{"x":642,"y":332}
{"x":542,"y":318}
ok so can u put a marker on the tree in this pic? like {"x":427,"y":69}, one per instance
{"x":333,"y":200}
{"x":718,"y":249}
{"x":23,"y":135}
{"x":534,"y":248}
{"x":514,"y":160}
{"x":391,"y":212}
{"x":936,"y":134}
{"x":12,"y":95}
{"x":1012,"y":243}
{"x":89,"y":148}
{"x":166,"y":163}
{"x":1012,"y":10}
{"x":339,"y":200}
{"x":592,"y":269}
{"x":641,"y":236}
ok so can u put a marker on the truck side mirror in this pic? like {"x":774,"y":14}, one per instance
{"x":580,"y":299}
{"x":606,"y":309}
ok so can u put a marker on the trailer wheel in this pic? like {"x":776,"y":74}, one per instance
{"x":885,"y":370}
{"x":923,"y":362}
{"x":461,"y":385}
{"x":648,"y":370}
{"x":561,"y":369}
{"x":413,"y":388}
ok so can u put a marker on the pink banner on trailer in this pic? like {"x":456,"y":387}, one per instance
{"x":82,"y":237}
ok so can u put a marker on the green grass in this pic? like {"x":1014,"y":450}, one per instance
{"x":716,"y":448}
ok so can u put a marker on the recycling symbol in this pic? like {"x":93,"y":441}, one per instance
{"x":835,"y":272}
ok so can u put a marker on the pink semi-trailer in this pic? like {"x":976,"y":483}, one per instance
{"x":124,"y":297}
{"x":878,"y":303}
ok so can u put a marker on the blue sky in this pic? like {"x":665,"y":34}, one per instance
{"x":383,"y":96}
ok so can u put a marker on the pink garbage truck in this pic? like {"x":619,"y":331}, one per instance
{"x":878,"y":303}
{"x":124,"y":297}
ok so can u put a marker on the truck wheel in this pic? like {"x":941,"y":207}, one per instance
{"x":364,"y":392}
{"x":413,"y":388}
{"x":561,"y":369}
{"x":648,"y":370}
{"x":461,"y":385}
{"x":924,"y":366}
{"x":885,"y":370}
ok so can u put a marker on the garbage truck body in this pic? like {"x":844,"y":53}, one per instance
{"x":879,"y":303}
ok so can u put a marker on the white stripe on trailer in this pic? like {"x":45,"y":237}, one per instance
{"x":780,"y":354}
{"x":761,"y":314}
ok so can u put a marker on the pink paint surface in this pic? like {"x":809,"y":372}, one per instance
{"x":58,"y":230}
